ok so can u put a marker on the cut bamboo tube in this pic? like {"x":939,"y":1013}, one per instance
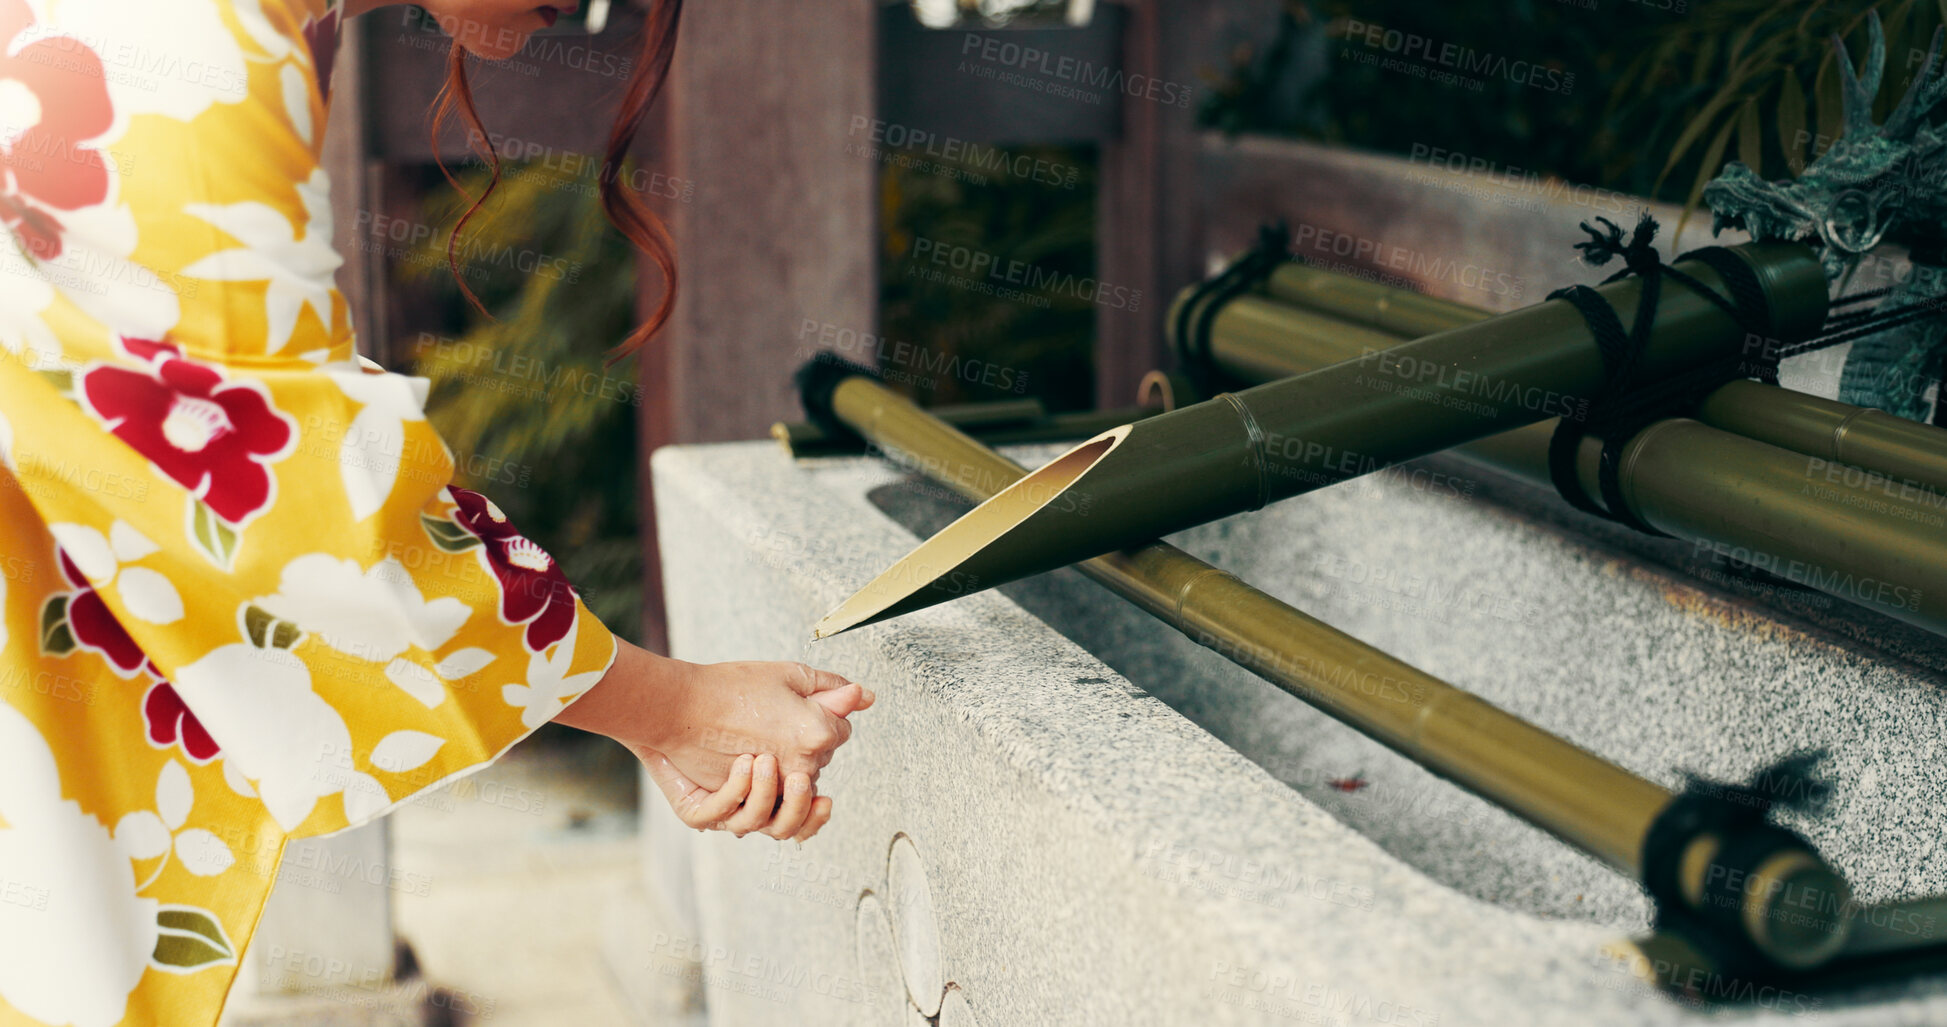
{"x":1256,"y":340}
{"x":999,"y":423}
{"x":1246,"y":449}
{"x":1580,"y":797}
{"x":1796,"y":507}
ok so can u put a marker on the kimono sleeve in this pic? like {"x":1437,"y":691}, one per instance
{"x":278,"y":551}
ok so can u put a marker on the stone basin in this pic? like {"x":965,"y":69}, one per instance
{"x":1062,"y":811}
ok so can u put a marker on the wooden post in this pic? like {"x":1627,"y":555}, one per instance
{"x":781,"y":228}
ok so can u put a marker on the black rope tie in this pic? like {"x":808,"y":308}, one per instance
{"x":1620,"y":409}
{"x":1199,"y":311}
{"x":1857,"y":324}
{"x":1739,"y":815}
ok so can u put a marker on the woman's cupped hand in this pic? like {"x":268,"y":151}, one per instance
{"x":733,"y":746}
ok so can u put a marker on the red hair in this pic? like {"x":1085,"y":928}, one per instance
{"x":623,"y":206}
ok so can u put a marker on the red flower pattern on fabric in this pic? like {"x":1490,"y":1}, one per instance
{"x":54,"y":96}
{"x":532,"y":588}
{"x":94,"y":626}
{"x":210,"y":436}
{"x":170,"y":721}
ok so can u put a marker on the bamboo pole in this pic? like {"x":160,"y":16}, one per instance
{"x":1256,"y":340}
{"x":1589,"y":802}
{"x":1795,"y":507}
{"x":1243,"y":450}
{"x":998,"y":423}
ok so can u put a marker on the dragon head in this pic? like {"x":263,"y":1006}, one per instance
{"x":1873,"y":183}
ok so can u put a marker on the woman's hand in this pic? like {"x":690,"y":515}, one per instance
{"x":745,"y":802}
{"x":691,"y":724}
{"x":722,"y":710}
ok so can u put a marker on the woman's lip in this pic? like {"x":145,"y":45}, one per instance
{"x":549,"y":14}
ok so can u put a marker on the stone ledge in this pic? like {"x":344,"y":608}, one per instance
{"x":1098,"y":851}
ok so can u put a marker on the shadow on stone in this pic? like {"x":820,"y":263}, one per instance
{"x":1451,"y":835}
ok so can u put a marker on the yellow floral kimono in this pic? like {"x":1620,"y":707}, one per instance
{"x":241,"y":602}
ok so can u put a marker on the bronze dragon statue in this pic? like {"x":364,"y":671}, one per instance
{"x":1874,"y":184}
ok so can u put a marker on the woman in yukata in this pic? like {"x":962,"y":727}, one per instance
{"x":220,"y":627}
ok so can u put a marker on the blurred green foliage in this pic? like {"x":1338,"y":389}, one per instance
{"x":1039,"y":336}
{"x":539,"y":424}
{"x":1662,"y":88}
{"x":534,"y":419}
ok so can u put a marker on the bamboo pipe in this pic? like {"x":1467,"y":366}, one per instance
{"x":1905,"y":452}
{"x":999,"y":423}
{"x":1807,"y":516}
{"x":1243,"y":450}
{"x":1580,"y":797}
{"x":1246,"y":342}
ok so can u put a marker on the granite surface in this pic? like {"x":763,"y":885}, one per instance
{"x":1063,"y":812}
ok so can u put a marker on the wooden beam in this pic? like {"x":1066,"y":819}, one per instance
{"x":782,"y":228}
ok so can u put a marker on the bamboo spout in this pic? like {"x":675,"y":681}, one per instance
{"x":1589,"y":802}
{"x":1243,"y":450}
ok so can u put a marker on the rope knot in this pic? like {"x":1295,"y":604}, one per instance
{"x":1638,"y":253}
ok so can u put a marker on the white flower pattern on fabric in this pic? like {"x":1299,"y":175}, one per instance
{"x":549,"y":685}
{"x":171,"y":284}
{"x":23,"y":295}
{"x":146,"y":594}
{"x":375,"y":442}
{"x":192,"y":35}
{"x":297,"y":268}
{"x":74,"y":954}
{"x":144,"y":834}
{"x":374,"y":614}
{"x":281,"y":736}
